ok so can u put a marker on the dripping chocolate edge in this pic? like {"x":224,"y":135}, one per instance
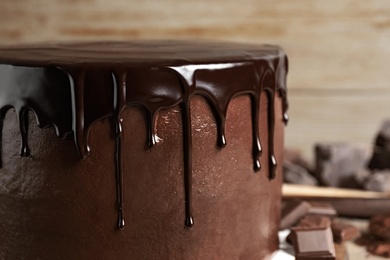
{"x":186,"y":81}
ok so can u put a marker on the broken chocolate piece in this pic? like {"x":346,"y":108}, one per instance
{"x":374,"y":245}
{"x":296,"y":174}
{"x":378,"y":181}
{"x":310,"y":221}
{"x":295,"y":157}
{"x":344,"y":231}
{"x":380,"y":249}
{"x":314,"y":221}
{"x":313,"y":239}
{"x":381,"y":153}
{"x":336,"y":163}
{"x":360,"y":177}
{"x":383,"y":136}
{"x":322,"y":208}
{"x":380,"y":226}
{"x":380,"y":159}
{"x":293,"y":212}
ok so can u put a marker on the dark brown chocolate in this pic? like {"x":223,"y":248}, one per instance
{"x":292,"y":212}
{"x":360,"y":177}
{"x":381,"y":153}
{"x":380,"y":249}
{"x":380,"y":159}
{"x":336,"y":163}
{"x":312,"y":239}
{"x":309,"y":221}
{"x":344,"y":231}
{"x":314,"y":221}
{"x":380,"y":226}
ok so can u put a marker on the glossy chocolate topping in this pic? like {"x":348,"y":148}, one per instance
{"x":72,"y":86}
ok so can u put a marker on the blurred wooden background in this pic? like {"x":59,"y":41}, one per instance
{"x":339,"y":50}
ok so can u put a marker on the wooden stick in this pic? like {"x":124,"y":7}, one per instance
{"x":304,"y":191}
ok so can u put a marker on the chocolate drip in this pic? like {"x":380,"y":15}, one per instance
{"x":119,"y":82}
{"x":281,"y":78}
{"x":186,"y":79}
{"x":77,"y":78}
{"x":119,"y":173}
{"x":72,"y":91}
{"x":271,"y":133}
{"x":150,"y":118}
{"x":187,"y":152}
{"x":269,"y":87}
{"x":256,"y":145}
{"x":221,"y":141}
{"x":23,"y":124}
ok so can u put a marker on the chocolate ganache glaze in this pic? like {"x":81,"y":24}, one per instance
{"x":72,"y":86}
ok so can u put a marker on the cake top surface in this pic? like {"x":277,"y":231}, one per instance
{"x":160,"y":52}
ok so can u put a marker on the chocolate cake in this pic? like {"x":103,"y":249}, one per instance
{"x":141,"y":150}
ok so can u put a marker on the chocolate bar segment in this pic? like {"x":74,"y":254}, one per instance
{"x":380,"y":159}
{"x":322,"y":208}
{"x":313,"y":240}
{"x":314,"y":221}
{"x":344,"y":232}
{"x":381,"y":249}
{"x":381,"y":153}
{"x":293,"y":212}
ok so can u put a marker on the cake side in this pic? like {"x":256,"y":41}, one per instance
{"x":55,"y":204}
{"x":88,"y":96}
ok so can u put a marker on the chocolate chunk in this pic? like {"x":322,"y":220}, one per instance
{"x":322,"y":208}
{"x":336,"y":163}
{"x":313,"y":239}
{"x":295,"y":156}
{"x":381,"y":153}
{"x":374,"y":245}
{"x":310,"y":221}
{"x":292,"y":213}
{"x":378,"y":181}
{"x":293,"y":173}
{"x":380,"y":226}
{"x":314,"y":221}
{"x":344,"y":231}
{"x":366,"y":240}
{"x":380,"y":159}
{"x":375,"y":242}
{"x":381,"y":249}
{"x":383,"y":136}
{"x":360,"y":177}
